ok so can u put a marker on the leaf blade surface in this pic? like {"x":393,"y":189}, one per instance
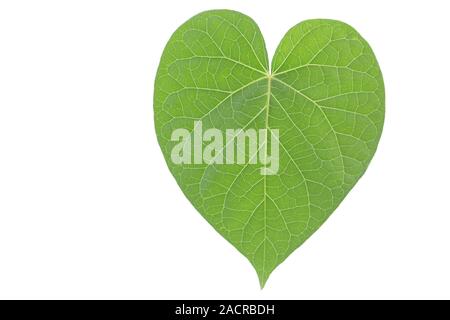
{"x":325,"y":95}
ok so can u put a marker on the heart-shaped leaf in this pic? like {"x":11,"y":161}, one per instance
{"x":318,"y":114}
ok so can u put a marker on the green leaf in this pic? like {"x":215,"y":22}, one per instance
{"x":325,"y":95}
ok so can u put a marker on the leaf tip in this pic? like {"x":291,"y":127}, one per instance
{"x":263,"y":277}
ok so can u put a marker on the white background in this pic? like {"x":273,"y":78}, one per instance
{"x":88,"y":208}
